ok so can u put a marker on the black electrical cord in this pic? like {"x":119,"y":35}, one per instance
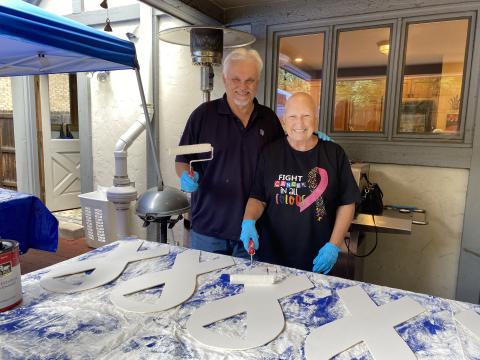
{"x":374,"y":246}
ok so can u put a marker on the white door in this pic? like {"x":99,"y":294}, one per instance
{"x":61,"y":156}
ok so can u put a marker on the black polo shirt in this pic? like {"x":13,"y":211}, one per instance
{"x":224,"y":186}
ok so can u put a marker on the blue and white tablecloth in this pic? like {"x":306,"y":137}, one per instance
{"x":24,"y":218}
{"x":87,"y":325}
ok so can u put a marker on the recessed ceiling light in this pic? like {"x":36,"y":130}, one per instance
{"x":298,"y":60}
{"x":383,"y":46}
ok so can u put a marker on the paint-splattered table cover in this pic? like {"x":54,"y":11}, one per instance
{"x":87,"y":325}
{"x":24,"y":218}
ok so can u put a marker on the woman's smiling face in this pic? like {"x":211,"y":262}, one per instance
{"x":299,"y":119}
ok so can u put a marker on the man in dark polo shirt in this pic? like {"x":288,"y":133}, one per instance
{"x":237,"y":127}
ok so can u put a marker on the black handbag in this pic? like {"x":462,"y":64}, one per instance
{"x":371,"y":198}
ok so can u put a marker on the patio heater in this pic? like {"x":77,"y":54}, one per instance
{"x":159,"y":204}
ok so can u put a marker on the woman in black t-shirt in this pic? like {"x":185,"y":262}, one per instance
{"x":304,"y":194}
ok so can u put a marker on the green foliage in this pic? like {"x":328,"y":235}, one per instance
{"x":361,"y":92}
{"x":291,"y":83}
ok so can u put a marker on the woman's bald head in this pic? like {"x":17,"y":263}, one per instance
{"x":301,"y":99}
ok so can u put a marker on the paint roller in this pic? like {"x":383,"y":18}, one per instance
{"x":260,"y":276}
{"x":192,"y":149}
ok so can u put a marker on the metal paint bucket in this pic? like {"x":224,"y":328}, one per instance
{"x":10,"y":283}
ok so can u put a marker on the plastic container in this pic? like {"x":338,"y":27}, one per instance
{"x":98,"y":217}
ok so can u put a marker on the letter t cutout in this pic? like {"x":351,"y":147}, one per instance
{"x":369,"y":323}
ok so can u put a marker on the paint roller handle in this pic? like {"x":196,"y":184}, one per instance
{"x":251,"y":250}
{"x":251,"y":247}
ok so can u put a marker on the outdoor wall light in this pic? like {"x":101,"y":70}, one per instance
{"x":132,"y":36}
{"x":103,"y":76}
{"x":107,"y":27}
{"x":383,"y":46}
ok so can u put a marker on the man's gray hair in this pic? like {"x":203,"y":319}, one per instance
{"x":243,"y":54}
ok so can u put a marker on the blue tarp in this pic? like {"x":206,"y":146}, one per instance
{"x":34,"y":42}
{"x":24,"y":218}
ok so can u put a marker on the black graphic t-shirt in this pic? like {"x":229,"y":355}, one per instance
{"x":302,"y":190}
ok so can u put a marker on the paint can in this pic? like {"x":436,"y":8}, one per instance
{"x":10,"y":282}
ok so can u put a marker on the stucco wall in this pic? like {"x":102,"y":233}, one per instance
{"x":57,"y":7}
{"x":427,"y":260}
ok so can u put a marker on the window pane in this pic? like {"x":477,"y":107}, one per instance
{"x":362,"y":67}
{"x":8,"y":172}
{"x":300,"y":61}
{"x":433,"y":77}
{"x":63,"y":106}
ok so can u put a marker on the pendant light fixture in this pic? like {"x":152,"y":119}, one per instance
{"x":108,"y":27}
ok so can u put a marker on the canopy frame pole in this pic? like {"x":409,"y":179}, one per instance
{"x":12,"y":64}
{"x":149,"y":130}
{"x":73,"y":61}
{"x":19,"y":67}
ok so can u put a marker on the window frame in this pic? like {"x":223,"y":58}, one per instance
{"x":325,"y":74}
{"x":73,"y":102}
{"x":397,"y":135}
{"x":391,"y":149}
{"x":386,"y":124}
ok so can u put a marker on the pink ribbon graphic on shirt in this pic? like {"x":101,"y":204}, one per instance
{"x":319,"y":190}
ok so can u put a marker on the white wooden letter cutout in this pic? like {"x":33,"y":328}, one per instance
{"x":369,"y":323}
{"x":471,"y":320}
{"x":265,"y":319}
{"x":180,"y":283}
{"x":105,"y":268}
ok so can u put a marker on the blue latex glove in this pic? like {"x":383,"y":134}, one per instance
{"x":249,"y":232}
{"x":326,"y":258}
{"x":323,"y":136}
{"x":187,"y":183}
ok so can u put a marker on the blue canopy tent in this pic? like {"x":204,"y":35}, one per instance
{"x":36,"y":42}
